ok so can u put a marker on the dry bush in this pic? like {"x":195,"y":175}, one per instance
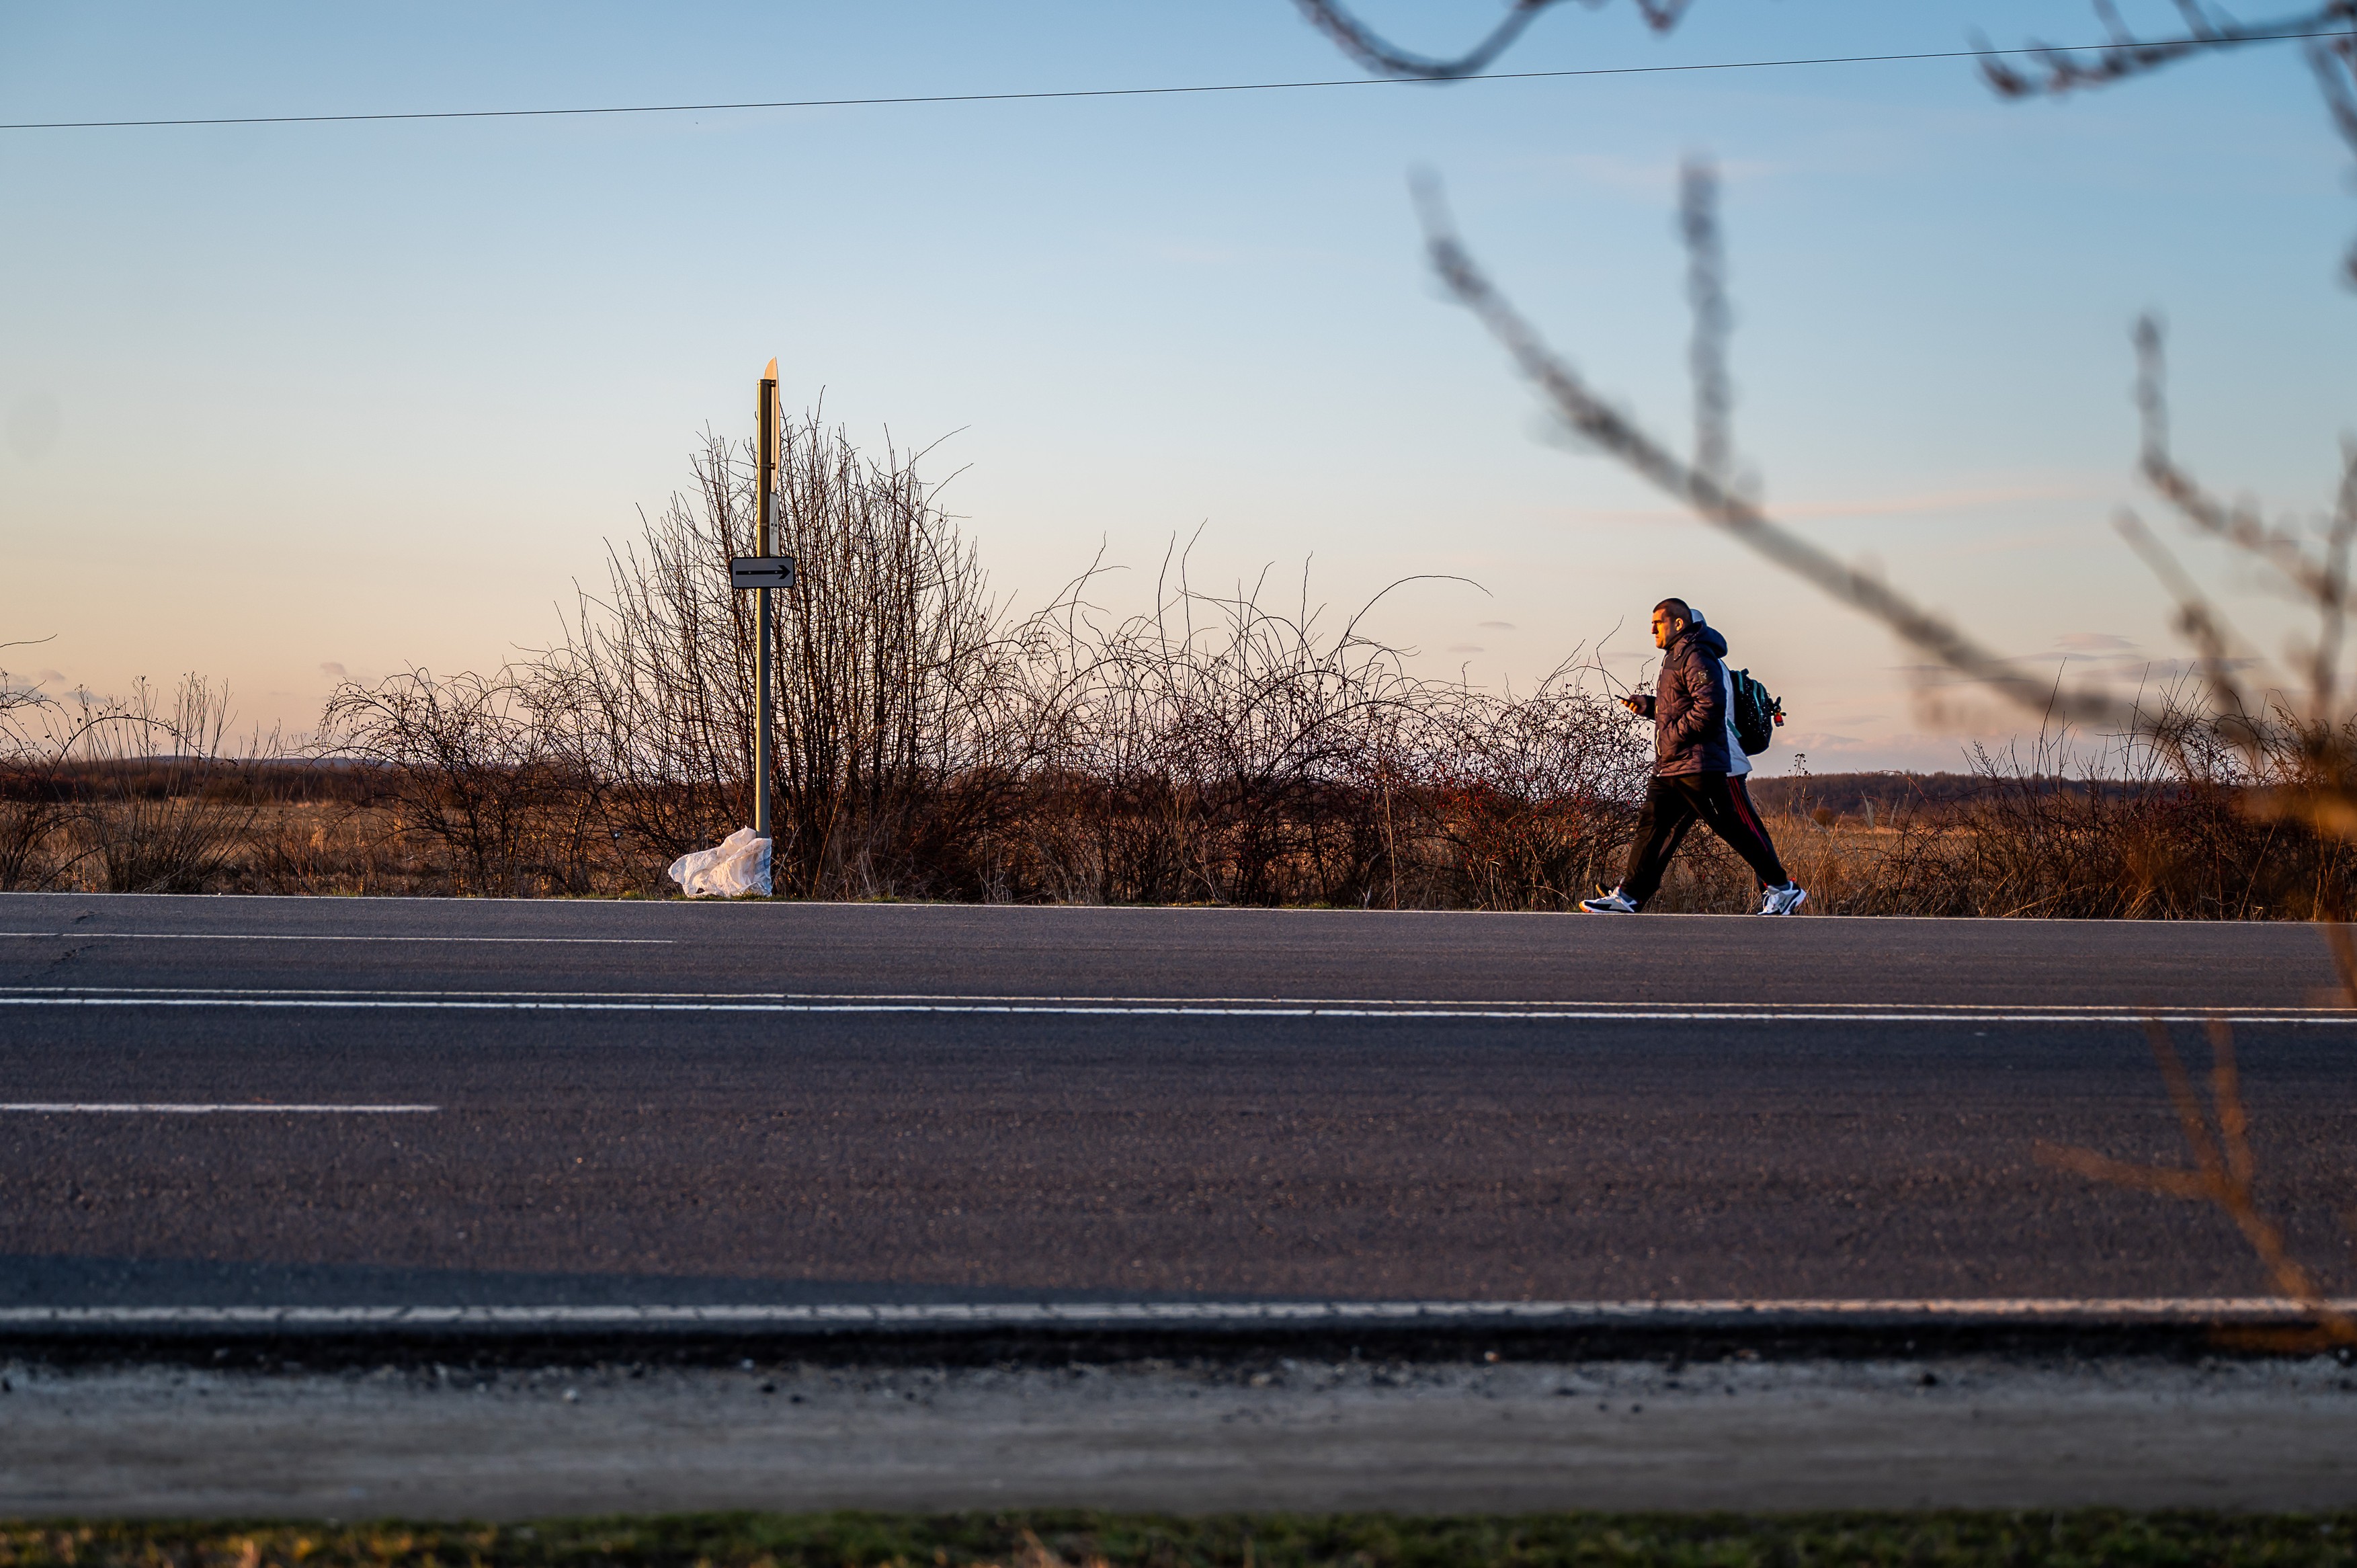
{"x":1217,"y":749}
{"x":177,"y":823}
{"x":932,"y":746}
{"x":466,"y":768}
{"x":2137,"y":831}
{"x":133,"y":796}
{"x":1196,"y":752}
{"x":896,"y":734}
{"x":304,"y":847}
{"x":900,"y":725}
{"x":29,"y":823}
{"x":34,"y":810}
{"x":1531,"y":800}
{"x":1210,"y":749}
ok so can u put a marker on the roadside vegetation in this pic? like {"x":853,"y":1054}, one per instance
{"x":1224,"y":747}
{"x":1045,"y":1538}
{"x":1217,"y":748}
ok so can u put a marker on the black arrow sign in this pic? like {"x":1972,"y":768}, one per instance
{"x":762,"y":571}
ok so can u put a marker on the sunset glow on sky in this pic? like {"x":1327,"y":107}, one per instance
{"x":285,"y":403}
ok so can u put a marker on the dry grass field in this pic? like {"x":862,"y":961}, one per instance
{"x":2023,"y":848}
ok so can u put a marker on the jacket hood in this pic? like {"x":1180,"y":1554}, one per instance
{"x":1706,"y":636}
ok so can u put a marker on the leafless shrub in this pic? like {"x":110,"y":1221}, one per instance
{"x":162,"y":821}
{"x":899,"y":722}
{"x":466,"y":766}
{"x":1212,"y":749}
{"x":1212,"y":745}
{"x":1217,"y":748}
{"x":895,"y":730}
{"x":931,"y":745}
{"x":34,"y":810}
{"x":26,"y":827}
{"x":1532,"y":799}
{"x":650,"y":690}
{"x":2127,"y":830}
{"x":132,"y":795}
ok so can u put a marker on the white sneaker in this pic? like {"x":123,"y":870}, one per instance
{"x":1613,"y":903}
{"x":1782,"y":900}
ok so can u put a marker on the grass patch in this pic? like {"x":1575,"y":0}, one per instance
{"x":1050,"y":1539}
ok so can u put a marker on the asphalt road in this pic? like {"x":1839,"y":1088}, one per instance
{"x":267,"y":1102}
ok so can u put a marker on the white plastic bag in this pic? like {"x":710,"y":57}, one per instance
{"x":740,"y":864}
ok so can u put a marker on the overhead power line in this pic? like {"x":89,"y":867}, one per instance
{"x":1072,"y":93}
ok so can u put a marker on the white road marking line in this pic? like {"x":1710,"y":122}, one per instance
{"x":1395,"y":1003}
{"x":325,"y":936}
{"x":787,"y":906}
{"x":129,"y":1107}
{"x":1113,"y":1008}
{"x":2150,"y":1309}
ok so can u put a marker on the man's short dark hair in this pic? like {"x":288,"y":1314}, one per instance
{"x":1678,"y":607}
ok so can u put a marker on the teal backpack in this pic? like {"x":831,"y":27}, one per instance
{"x":1756,"y":715}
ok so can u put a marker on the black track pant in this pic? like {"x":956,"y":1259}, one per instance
{"x":1673,"y":805}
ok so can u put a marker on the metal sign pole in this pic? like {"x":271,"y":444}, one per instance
{"x":768,"y":415}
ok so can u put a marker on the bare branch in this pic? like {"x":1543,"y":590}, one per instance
{"x":1714,"y":396}
{"x":1710,"y":499}
{"x":2335,"y":64}
{"x":2330,"y":31}
{"x":2238,"y":525}
{"x":2162,"y":1179}
{"x":2197,"y":618}
{"x":2072,"y":71}
{"x":2225,"y":1171}
{"x":1379,"y":55}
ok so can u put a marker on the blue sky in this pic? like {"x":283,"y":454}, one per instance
{"x":281,"y":400}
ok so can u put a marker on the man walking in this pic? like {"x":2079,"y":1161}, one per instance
{"x":1699,"y":768}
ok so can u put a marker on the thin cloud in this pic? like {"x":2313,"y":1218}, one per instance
{"x":1644,"y":177}
{"x":1919,"y":503}
{"x":2125,"y":668}
{"x":1182,"y":252}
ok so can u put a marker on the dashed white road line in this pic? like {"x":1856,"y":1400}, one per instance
{"x":331,"y":937}
{"x":144,"y":1107}
{"x":2153,"y":1310}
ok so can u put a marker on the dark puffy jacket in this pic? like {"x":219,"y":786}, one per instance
{"x":1688,"y":707}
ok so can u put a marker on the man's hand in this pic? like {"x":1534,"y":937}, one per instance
{"x":1634,"y":704}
